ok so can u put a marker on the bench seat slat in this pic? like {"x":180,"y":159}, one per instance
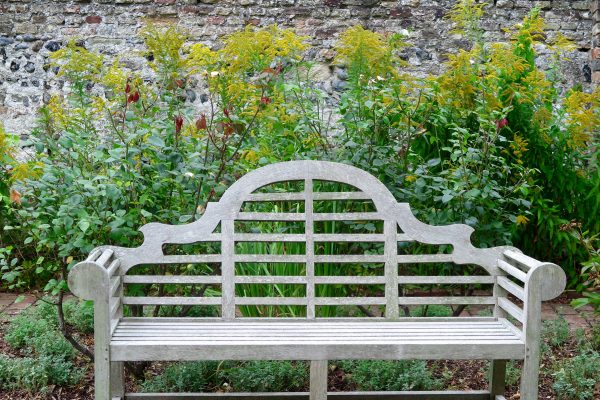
{"x":313,"y":340}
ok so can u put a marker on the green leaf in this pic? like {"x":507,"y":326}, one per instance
{"x":447,"y":197}
{"x":83,"y":225}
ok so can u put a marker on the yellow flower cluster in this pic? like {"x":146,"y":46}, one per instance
{"x":77,"y":63}
{"x":583,"y":117}
{"x":369,"y":53}
{"x":165,"y":44}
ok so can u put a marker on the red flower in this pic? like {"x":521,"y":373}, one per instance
{"x":201,"y":122}
{"x":265,"y":100}
{"x":228,"y":129}
{"x":133,"y":97}
{"x":226,"y":112}
{"x":178,"y":123}
{"x":501,"y":123}
{"x":127,"y":88}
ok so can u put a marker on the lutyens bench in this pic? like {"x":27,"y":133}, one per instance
{"x":516,"y":283}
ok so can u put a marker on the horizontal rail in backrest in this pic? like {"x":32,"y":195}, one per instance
{"x":272,"y":216}
{"x":449,"y":300}
{"x":171,"y":301}
{"x":300,"y":196}
{"x":173,"y":279}
{"x":318,"y":237}
{"x":446,"y":280}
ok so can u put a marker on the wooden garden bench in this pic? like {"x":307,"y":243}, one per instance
{"x":519,"y":283}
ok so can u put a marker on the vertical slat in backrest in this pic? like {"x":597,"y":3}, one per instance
{"x":310,"y":249}
{"x":399,"y":225}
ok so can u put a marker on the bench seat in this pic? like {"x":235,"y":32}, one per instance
{"x":144,"y":340}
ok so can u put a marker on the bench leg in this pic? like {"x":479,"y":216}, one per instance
{"x":530,"y":375}
{"x":318,"y":380}
{"x":117,"y":386}
{"x":497,"y":378}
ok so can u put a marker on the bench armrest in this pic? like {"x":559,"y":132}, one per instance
{"x":90,"y":279}
{"x":550,"y":279}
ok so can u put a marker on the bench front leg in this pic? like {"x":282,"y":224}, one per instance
{"x":497,"y":378}
{"x":97,"y":279}
{"x":318,"y":380}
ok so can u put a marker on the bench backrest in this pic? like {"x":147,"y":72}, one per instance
{"x":385,"y":230}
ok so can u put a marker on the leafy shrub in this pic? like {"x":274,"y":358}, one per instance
{"x":35,"y":374}
{"x":49,"y":356}
{"x":578,"y":377}
{"x":376,"y":375}
{"x":269,"y":376}
{"x":197,"y":376}
{"x":595,"y":338}
{"x":556,"y":331}
{"x":79,"y":314}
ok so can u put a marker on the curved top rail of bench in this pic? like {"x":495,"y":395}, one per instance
{"x":228,"y":207}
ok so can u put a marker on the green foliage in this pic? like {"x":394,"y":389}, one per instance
{"x":36,"y":374}
{"x":486,"y":143}
{"x":376,"y":375}
{"x":578,"y":377}
{"x":49,"y":357}
{"x":595,"y":338}
{"x":198,"y":376}
{"x":269,"y":376}
{"x":590,"y":271}
{"x":556,"y":332}
{"x":252,"y":376}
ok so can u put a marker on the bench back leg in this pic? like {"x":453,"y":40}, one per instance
{"x":318,"y":380}
{"x":497,"y":378}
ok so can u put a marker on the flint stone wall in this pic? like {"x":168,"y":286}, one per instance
{"x":32,"y":29}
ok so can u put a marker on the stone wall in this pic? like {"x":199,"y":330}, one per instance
{"x":32,"y":29}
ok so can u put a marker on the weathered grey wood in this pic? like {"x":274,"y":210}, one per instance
{"x":309,"y":231}
{"x":173,"y":279}
{"x":512,"y":270}
{"x":446,"y":280}
{"x":171,"y":301}
{"x":511,"y":308}
{"x":117,"y":339}
{"x":511,"y":287}
{"x":392,"y":309}
{"x":415,"y":395}
{"x":228,"y":269}
{"x":448,"y":300}
{"x":318,"y":380}
{"x":497,"y":378}
{"x":532,"y":322}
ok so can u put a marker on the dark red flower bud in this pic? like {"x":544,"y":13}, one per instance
{"x":501,"y":123}
{"x":178,"y":123}
{"x":201,"y":122}
{"x":179,"y":83}
{"x":226,"y":112}
{"x":133,"y":97}
{"x":265,"y":100}
{"x":127,"y":88}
